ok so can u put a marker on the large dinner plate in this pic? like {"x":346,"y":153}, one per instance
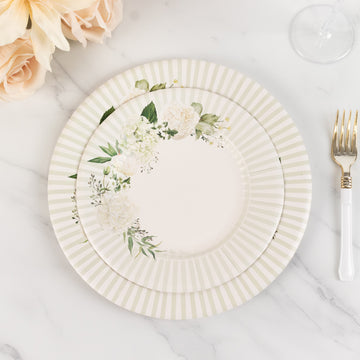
{"x":195,"y":74}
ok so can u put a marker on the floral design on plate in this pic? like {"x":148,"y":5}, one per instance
{"x":135,"y":151}
{"x":141,"y":87}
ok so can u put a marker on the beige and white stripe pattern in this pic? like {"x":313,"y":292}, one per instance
{"x":296,"y":171}
{"x":263,"y":200}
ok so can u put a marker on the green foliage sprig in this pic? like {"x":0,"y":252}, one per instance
{"x":140,"y":239}
{"x":109,"y":150}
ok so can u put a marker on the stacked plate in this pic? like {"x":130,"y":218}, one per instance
{"x":179,"y":189}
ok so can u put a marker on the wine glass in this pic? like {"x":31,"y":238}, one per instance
{"x":322,"y":33}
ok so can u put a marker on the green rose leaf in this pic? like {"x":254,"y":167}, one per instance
{"x":126,"y":181}
{"x":158,"y":87}
{"x":106,"y":114}
{"x":150,"y":113}
{"x":100,"y":160}
{"x":73,"y":176}
{"x":171,"y":132}
{"x":142,"y":84}
{"x":210,"y":119}
{"x":198,"y":133}
{"x":197,"y":107}
{"x":204,"y":128}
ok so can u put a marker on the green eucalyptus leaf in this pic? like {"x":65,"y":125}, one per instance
{"x":150,"y":113}
{"x":152,"y":254}
{"x":130,"y":244}
{"x":197,"y":107}
{"x":142,"y":84}
{"x":108,"y":150}
{"x":105,"y":150}
{"x":74,"y":176}
{"x":106,"y":114}
{"x":112,"y":150}
{"x":197,"y":133}
{"x":150,"y":245}
{"x":100,"y":160}
{"x":158,"y":87}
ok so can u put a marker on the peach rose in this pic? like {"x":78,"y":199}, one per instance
{"x":20,"y":72}
{"x":93,"y":23}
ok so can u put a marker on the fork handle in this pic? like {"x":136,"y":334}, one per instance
{"x":346,"y":265}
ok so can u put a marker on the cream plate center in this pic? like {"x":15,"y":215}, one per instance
{"x":193,"y":198}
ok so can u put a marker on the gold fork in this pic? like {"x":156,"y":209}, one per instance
{"x":344,"y":153}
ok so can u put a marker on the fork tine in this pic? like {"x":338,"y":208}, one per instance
{"x":341,"y":139}
{"x":335,"y":134}
{"x":347,"y":136}
{"x":353,"y":140}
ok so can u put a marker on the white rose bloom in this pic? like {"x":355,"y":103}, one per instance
{"x":124,"y":164}
{"x":117,"y":212}
{"x":132,"y":94}
{"x":180,"y":117}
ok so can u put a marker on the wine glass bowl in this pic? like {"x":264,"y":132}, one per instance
{"x":322,"y":33}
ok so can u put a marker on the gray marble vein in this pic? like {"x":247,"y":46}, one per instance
{"x":9,"y":352}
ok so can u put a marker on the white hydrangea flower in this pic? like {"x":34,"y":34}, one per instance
{"x":132,"y":94}
{"x":180,"y":117}
{"x":116,"y":212}
{"x":124,"y":164}
{"x":140,"y":139}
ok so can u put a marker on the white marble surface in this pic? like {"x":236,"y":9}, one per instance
{"x":48,"y":312}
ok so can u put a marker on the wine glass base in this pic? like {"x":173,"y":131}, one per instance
{"x":321,"y":34}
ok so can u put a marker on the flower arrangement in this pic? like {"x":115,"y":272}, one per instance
{"x":31,"y":30}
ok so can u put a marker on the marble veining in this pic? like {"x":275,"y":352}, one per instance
{"x":10,"y":352}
